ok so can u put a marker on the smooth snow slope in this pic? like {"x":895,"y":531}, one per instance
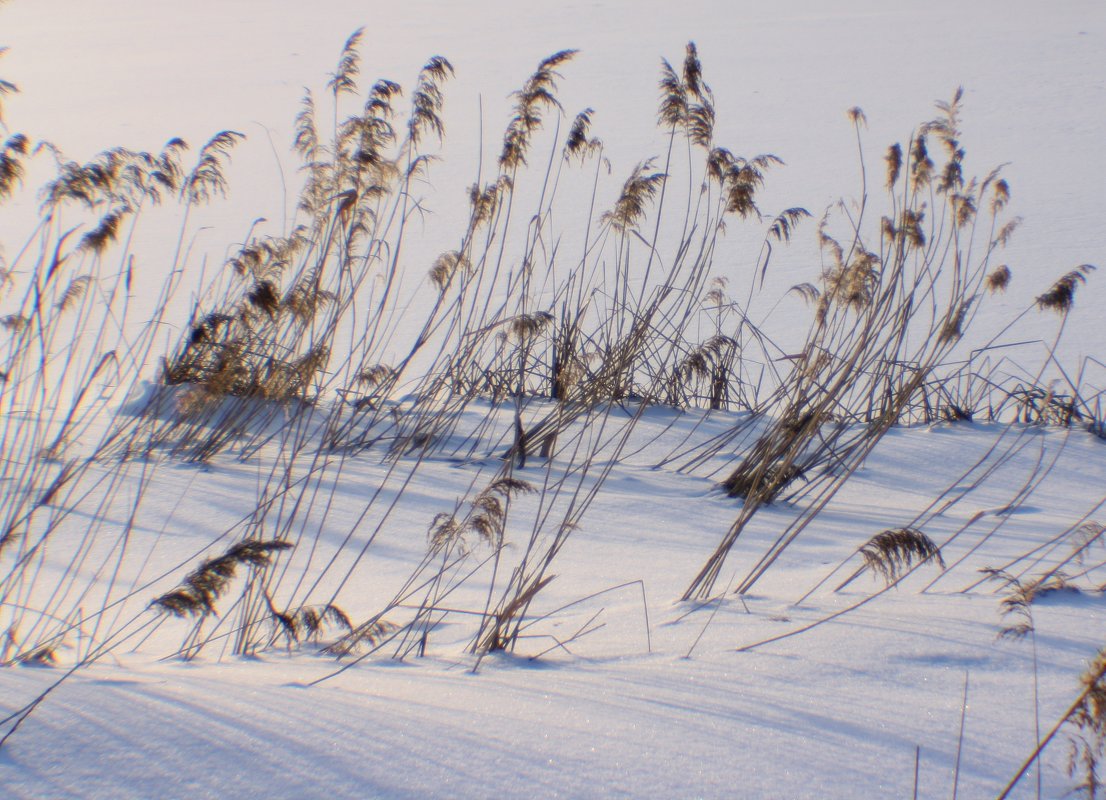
{"x":621,"y":711}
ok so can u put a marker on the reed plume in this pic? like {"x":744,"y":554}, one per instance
{"x":784,"y":224}
{"x":1017,"y":603}
{"x":446,"y":266}
{"x":998,"y":279}
{"x":73,"y":292}
{"x":638,"y":190}
{"x":673,"y":108}
{"x":198,"y":592}
{"x":578,"y":144}
{"x":892,"y":552}
{"x":427,"y":100}
{"x":206,"y":180}
{"x":487,"y":516}
{"x":11,"y":164}
{"x":894,"y":165}
{"x":536,"y":96}
{"x":309,"y":622}
{"x":1061,"y":296}
{"x":366,"y":635}
{"x":344,"y":79}
{"x":105,"y":232}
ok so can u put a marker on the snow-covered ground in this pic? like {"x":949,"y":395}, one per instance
{"x":618,"y":688}
{"x":623,"y":711}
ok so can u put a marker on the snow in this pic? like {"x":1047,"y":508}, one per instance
{"x":622,"y":690}
{"x":622,"y":711}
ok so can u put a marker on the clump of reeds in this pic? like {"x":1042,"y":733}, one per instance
{"x":766,"y":483}
{"x":872,"y":348}
{"x":270,"y":337}
{"x":69,"y":352}
{"x":1037,"y":405}
{"x":709,"y":364}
